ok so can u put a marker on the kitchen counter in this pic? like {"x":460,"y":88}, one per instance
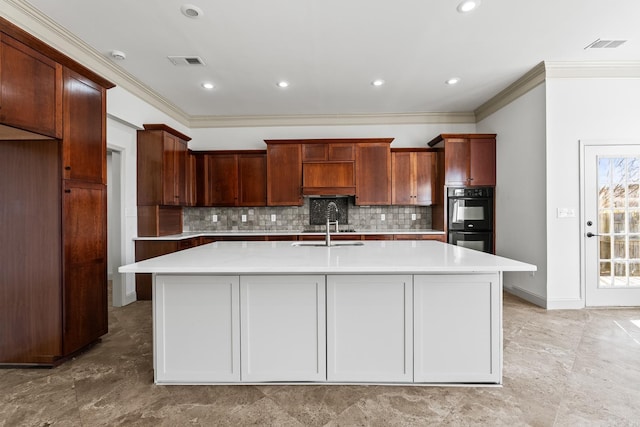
{"x":384,"y":312}
{"x":236,"y":233}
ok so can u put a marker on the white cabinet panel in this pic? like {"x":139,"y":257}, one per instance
{"x":369,"y":328}
{"x":458,"y":335}
{"x":283,"y":328}
{"x":196,"y":331}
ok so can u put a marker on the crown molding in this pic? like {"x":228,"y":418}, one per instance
{"x":30,"y":19}
{"x":593,"y":69}
{"x":515,"y":90}
{"x":331,"y":120}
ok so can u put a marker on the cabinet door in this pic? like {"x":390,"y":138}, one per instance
{"x":369,"y":328}
{"x":284,"y":175}
{"x":84,"y":237}
{"x":482,"y":153}
{"x":403,"y":182}
{"x":181,"y":172}
{"x":170,"y":194}
{"x":424,"y":167}
{"x":456,"y":161}
{"x":30,"y":89}
{"x":373,"y":174}
{"x":252,"y":180}
{"x":199,"y":337}
{"x":283,"y":328}
{"x":223,"y":179}
{"x":84,"y":141}
{"x":458,"y":328}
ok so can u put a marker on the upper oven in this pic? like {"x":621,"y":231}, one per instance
{"x":470,"y":209}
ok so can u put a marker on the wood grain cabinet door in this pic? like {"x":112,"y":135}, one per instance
{"x":425,"y":178}
{"x":252,"y":180}
{"x":403,"y":182}
{"x":84,"y":142}
{"x":84,"y":264}
{"x":373,"y":174}
{"x":284,"y":175}
{"x":482,"y":167}
{"x":30,"y":89}
{"x":456,"y":161}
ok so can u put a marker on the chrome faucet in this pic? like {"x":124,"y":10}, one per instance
{"x":330,"y":205}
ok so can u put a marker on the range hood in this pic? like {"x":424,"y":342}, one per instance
{"x":328,"y":178}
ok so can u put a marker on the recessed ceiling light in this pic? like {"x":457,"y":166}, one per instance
{"x":207,"y":85}
{"x":191,"y":11}
{"x":378,"y":82}
{"x":453,"y":81}
{"x":468,"y":5}
{"x":282,"y":84}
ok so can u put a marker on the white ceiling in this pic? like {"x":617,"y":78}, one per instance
{"x":331,"y":50}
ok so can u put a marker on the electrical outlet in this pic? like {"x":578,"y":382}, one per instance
{"x":382,"y":217}
{"x":273,"y":217}
{"x":413,"y":217}
{"x":214,"y":218}
{"x":244,"y":218}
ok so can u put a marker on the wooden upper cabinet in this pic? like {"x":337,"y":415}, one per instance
{"x":191,"y":179}
{"x":328,"y":168}
{"x":469,"y":159}
{"x":30,"y":90}
{"x":233,"y":178}
{"x":162,"y":166}
{"x":373,"y":173}
{"x":84,"y":141}
{"x":414,"y":178}
{"x":252,"y":179}
{"x":284,"y":174}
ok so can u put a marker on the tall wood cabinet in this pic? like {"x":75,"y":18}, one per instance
{"x":162,"y":175}
{"x":53,"y":276}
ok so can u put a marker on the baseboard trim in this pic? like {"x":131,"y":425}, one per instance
{"x":527,"y":296}
{"x":565,"y":304}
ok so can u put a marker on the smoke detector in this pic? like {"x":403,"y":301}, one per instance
{"x":191,"y":11}
{"x":118,"y":55}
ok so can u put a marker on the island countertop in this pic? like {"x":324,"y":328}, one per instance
{"x":282,"y":257}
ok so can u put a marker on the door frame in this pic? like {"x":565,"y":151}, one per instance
{"x":584,"y":143}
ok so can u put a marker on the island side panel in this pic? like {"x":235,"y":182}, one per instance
{"x":196,"y":329}
{"x":369,"y":328}
{"x":458,"y":323}
{"x":283,"y":330}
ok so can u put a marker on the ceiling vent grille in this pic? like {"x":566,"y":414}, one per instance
{"x":186,"y":60}
{"x":605,"y":44}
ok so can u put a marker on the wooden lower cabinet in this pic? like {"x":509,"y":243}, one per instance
{"x":84,"y":264}
{"x":438,"y":237}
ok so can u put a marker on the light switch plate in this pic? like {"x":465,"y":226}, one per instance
{"x":566,"y":213}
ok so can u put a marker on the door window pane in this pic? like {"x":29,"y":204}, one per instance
{"x":619,"y":221}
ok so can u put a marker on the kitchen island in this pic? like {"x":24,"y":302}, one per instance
{"x":402,"y":312}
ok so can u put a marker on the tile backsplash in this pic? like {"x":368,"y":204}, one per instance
{"x":296,"y":218}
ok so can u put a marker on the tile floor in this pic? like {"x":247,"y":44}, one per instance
{"x":561,"y":368}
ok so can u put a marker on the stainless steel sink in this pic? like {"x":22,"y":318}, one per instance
{"x":322,"y":244}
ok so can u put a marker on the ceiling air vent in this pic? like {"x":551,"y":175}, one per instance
{"x":186,"y":60}
{"x":605,"y":44}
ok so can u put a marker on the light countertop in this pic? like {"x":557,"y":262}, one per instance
{"x":374,"y":256}
{"x":192,"y":234}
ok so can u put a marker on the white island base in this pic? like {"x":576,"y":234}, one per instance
{"x":386,"y":312}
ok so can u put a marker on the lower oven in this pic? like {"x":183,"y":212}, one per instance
{"x":478,"y":240}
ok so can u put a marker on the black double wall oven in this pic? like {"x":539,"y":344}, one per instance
{"x":470,"y":217}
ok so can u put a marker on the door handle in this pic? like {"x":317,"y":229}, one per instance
{"x":590,"y":234}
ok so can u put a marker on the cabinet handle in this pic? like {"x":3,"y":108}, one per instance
{"x":67,"y":191}
{"x":67,"y":168}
